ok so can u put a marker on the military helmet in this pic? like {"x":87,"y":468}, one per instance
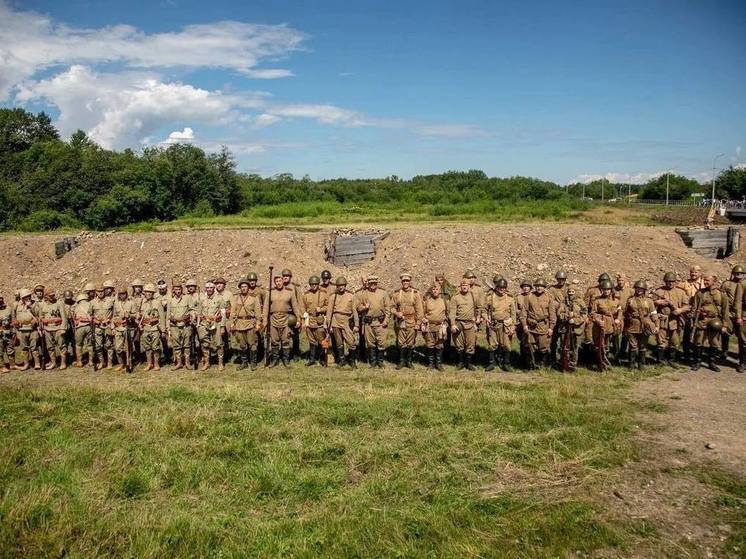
{"x":604,"y":276}
{"x":501,"y":282}
{"x":560,"y":275}
{"x":292,"y":320}
{"x":122,"y":289}
{"x":738,"y":269}
{"x":176,"y":282}
{"x":341,"y":280}
{"x":80,"y":297}
{"x":149,"y":287}
{"x":191,"y":282}
{"x":23,"y":293}
{"x":219,"y":279}
{"x":497,"y":277}
{"x":605,"y":284}
{"x":108,"y":284}
{"x":469,"y":274}
{"x":326,"y":274}
{"x":526,"y":282}
{"x":136,"y":283}
{"x":242,"y":281}
{"x":540,"y":283}
{"x":669,"y":276}
{"x":314,"y":280}
{"x":67,"y":294}
{"x":89,"y":287}
{"x":715,"y":325}
{"x":38,"y":286}
{"x":251,"y":276}
{"x":640,"y":284}
{"x":287,"y":272}
{"x":405,"y":276}
{"x":99,"y":287}
{"x":372,"y":278}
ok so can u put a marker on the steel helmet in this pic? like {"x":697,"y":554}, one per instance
{"x":326,"y":274}
{"x":469,"y":274}
{"x":737,"y":269}
{"x":560,"y":275}
{"x":715,"y":325}
{"x":251,"y":276}
{"x":136,"y":283}
{"x":605,"y":284}
{"x":501,"y":282}
{"x":89,"y":287}
{"x":540,"y":283}
{"x":149,"y":287}
{"x":640,"y":284}
{"x":287,"y":272}
{"x":526,"y":283}
{"x":67,"y":294}
{"x":669,"y":276}
{"x":108,"y":284}
{"x":81,"y":297}
{"x":604,"y":276}
{"x":314,"y":280}
{"x":24,"y":293}
{"x":341,"y":280}
{"x":243,"y":281}
{"x":496,"y":278}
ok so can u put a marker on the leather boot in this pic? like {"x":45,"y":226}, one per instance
{"x":25,"y":364}
{"x":659,"y":355}
{"x":461,"y":361}
{"x":671,"y":358}
{"x":156,"y":360}
{"x":739,"y":367}
{"x":121,"y":360}
{"x":221,"y":362}
{"x":244,"y":362}
{"x":109,"y":359}
{"x":641,"y":355}
{"x":148,"y":360}
{"x":78,"y":357}
{"x":351,"y":358}
{"x":311,"y":356}
{"x":491,"y":361}
{"x":633,"y":363}
{"x":253,"y":356}
{"x":379,"y":358}
{"x":37,"y":361}
{"x":697,"y":359}
{"x":273,"y":358}
{"x":724,"y":345}
{"x":372,"y":356}
{"x":402,"y":359}
{"x":285,"y":356}
{"x":92,"y":360}
{"x":178,"y":361}
{"x":339,"y":359}
{"x":505,"y":362}
{"x":431,"y":358}
{"x":468,"y":364}
{"x":439,"y":358}
{"x":51,"y":361}
{"x":205,"y":361}
{"x":410,"y":351}
{"x":712,"y":357}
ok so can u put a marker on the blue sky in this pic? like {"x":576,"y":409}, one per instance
{"x":557,"y":90}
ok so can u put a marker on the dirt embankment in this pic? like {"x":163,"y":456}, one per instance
{"x":517,"y":251}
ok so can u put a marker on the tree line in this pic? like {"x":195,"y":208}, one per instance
{"x":47,"y":183}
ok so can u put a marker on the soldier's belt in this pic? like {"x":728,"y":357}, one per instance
{"x":51,"y":321}
{"x":181,"y":321}
{"x":119,"y":321}
{"x":150,"y":321}
{"x":342,"y":313}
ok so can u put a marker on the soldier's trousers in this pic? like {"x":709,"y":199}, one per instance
{"x":703,"y":337}
{"x":668,"y":338}
{"x":55,"y":340}
{"x":433,"y":339}
{"x":637,"y":341}
{"x":375,"y":335}
{"x":7,"y":350}
{"x":83,"y":339}
{"x":279,"y":336}
{"x":406,"y":335}
{"x":210,"y":340}
{"x":498,"y":337}
{"x":179,"y":341}
{"x":345,"y":339}
{"x":150,"y":340}
{"x":315,"y":335}
{"x":120,"y":340}
{"x":246,"y":339}
{"x":539,"y":341}
{"x":26,"y":343}
{"x":465,"y":340}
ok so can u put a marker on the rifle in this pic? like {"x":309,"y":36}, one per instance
{"x":93,"y":339}
{"x":329,"y":329}
{"x":193,"y":336}
{"x":127,"y":345}
{"x":565,"y":360}
{"x":267,"y":340}
{"x":362,"y":316}
{"x":42,"y":341}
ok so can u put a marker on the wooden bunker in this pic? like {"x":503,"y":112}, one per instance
{"x":711,"y":243}
{"x":352,"y":250}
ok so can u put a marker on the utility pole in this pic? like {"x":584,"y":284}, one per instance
{"x":668,"y":174}
{"x":602,"y":190}
{"x":712,"y":202}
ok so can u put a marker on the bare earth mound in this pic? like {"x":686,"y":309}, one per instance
{"x":517,"y":251}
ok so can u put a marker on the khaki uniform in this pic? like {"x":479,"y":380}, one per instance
{"x":315,"y":306}
{"x":82,"y":313}
{"x":501,"y":316}
{"x":7,"y":348}
{"x":376,"y":316}
{"x":245,"y":312}
{"x":54,"y":322}
{"x":102,"y":313}
{"x":591,"y":294}
{"x":26,"y":323}
{"x":604,"y":314}
{"x":740,"y":303}
{"x":521,"y":301}
{"x":340,"y":313}
{"x":435,"y":321}
{"x":210,"y":313}
{"x":574,"y":316}
{"x":283,"y":305}
{"x":179,"y":317}
{"x":538,"y":318}
{"x":124,"y":315}
{"x":153,"y":320}
{"x":462,"y":311}
{"x":639,"y":312}
{"x":708,"y":304}
{"x":409,"y":303}
{"x":670,"y":325}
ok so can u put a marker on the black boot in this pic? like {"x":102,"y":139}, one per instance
{"x":491,"y":361}
{"x":402,"y":359}
{"x":273,"y":358}
{"x":341,"y":361}
{"x":468,"y":363}
{"x":641,"y":355}
{"x":671,"y":358}
{"x":724,"y":345}
{"x":439,"y":358}
{"x":285,"y":357}
{"x":410,"y":351}
{"x":351,"y":359}
{"x":505,"y":362}
{"x":431,"y":358}
{"x":697,"y":359}
{"x":659,"y":355}
{"x":371,"y":356}
{"x":712,"y":356}
{"x":244,"y":361}
{"x":252,"y":359}
{"x":633,"y":362}
{"x":461,"y":360}
{"x":311,"y":356}
{"x":740,"y":367}
{"x":379,"y":358}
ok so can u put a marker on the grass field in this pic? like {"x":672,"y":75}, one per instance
{"x":342,"y":464}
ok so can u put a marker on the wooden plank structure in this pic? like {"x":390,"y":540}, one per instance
{"x":711,"y":243}
{"x":352,"y":250}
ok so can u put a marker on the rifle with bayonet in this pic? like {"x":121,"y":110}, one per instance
{"x":267,"y":339}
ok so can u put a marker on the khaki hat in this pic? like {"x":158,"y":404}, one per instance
{"x":372,"y":279}
{"x":108,"y":284}
{"x":176,"y":282}
{"x":122,"y":289}
{"x":405,"y":276}
{"x":81,"y":297}
{"x":191,"y":282}
{"x":99,"y":287}
{"x":149,"y":287}
{"x":136,"y":283}
{"x":219,"y":279}
{"x":23,"y":293}
{"x":38,"y":286}
{"x":89,"y":287}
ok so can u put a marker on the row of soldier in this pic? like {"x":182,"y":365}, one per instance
{"x":690,"y":319}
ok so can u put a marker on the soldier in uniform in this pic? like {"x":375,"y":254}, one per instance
{"x":559,"y":291}
{"x":124,"y":312}
{"x":729,"y":288}
{"x":103,"y":342}
{"x":7,"y":336}
{"x":326,"y":279}
{"x":244,"y":321}
{"x":25,"y":321}
{"x":82,"y":320}
{"x":573,"y":314}
{"x":538,"y":321}
{"x":225,"y":295}
{"x":109,"y":289}
{"x":406,"y":306}
{"x":691,"y":286}
{"x":344,"y":322}
{"x":500,"y":314}
{"x":447,"y":290}
{"x":315,"y":303}
{"x":281,"y":312}
{"x":179,"y":317}
{"x":527,"y":360}
{"x":374,"y":307}
{"x":639,"y":323}
{"x":69,"y":302}
{"x":673,"y":306}
{"x":137,"y":291}
{"x":152,"y":320}
{"x":435,"y":325}
{"x":210,"y":314}
{"x":622,"y":292}
{"x":605,"y":317}
{"x":465,"y":316}
{"x":162,"y":294}
{"x":710,"y":314}
{"x":287,"y":280}
{"x":590,"y":294}
{"x":51,"y":314}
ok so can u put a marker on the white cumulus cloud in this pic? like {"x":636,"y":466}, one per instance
{"x":180,"y":136}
